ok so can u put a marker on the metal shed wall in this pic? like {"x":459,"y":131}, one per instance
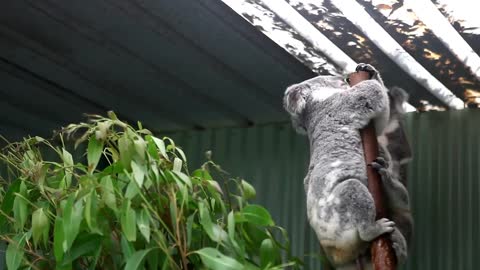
{"x":443,"y":181}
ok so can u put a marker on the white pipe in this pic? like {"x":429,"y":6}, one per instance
{"x":320,"y":42}
{"x":355,"y":13}
{"x":428,"y":13}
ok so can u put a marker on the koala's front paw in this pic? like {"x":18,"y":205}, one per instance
{"x":376,"y":229}
{"x":381,"y":166}
{"x":367,"y":68}
{"x":385,"y":225}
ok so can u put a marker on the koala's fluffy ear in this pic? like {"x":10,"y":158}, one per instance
{"x":398,"y":97}
{"x":294,"y":102}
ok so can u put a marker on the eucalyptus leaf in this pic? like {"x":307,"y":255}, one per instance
{"x":15,"y":253}
{"x":215,"y":260}
{"x":128,"y":221}
{"x":258,"y":215}
{"x":94,"y":152}
{"x":136,"y":260}
{"x":72,"y":219}
{"x":91,"y":211}
{"x":161,"y":146}
{"x":108,"y":192}
{"x":40,"y":226}
{"x":143,"y":223}
{"x":20,"y":207}
{"x":58,"y":239}
{"x":269,"y":253}
{"x":68,"y":162}
{"x":185,"y":221}
{"x":214,"y":231}
{"x":177,"y":165}
{"x":138,"y":173}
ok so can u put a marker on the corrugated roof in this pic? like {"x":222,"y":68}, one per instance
{"x":192,"y":64}
{"x":400,"y":22}
{"x":170,"y":64}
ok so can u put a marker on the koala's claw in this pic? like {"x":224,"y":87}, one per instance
{"x":366,"y":67}
{"x":386,"y":225}
{"x":379,"y":163}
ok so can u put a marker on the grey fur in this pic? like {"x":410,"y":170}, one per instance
{"x":340,"y":208}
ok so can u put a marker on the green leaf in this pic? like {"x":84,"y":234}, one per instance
{"x":215,"y":260}
{"x":132,"y":190}
{"x":189,"y":224}
{"x":140,"y":146}
{"x":91,"y":211}
{"x":143,"y":223}
{"x":20,"y":208}
{"x":72,"y":218}
{"x":85,"y":244}
{"x":214,"y":231}
{"x":258,"y":215}
{"x":40,"y":226}
{"x":94,"y":152}
{"x":182,"y":154}
{"x":183,"y":177}
{"x":152,"y":148}
{"x":248,"y":190}
{"x":138,"y":173}
{"x":127,"y":248}
{"x":112,"y":115}
{"x":7,"y":203}
{"x":58,"y":239}
{"x":68,"y":162}
{"x":126,"y":150}
{"x":108,"y":192}
{"x":177,"y":165}
{"x":136,"y":260}
{"x":231,"y":225}
{"x":15,"y":252}
{"x":202,"y":174}
{"x":161,"y":146}
{"x":128,"y":221}
{"x":269,"y":253}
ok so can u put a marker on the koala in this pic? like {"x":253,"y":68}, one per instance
{"x":340,"y":209}
{"x":396,"y":151}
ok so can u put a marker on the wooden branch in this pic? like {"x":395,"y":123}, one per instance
{"x":383,"y":256}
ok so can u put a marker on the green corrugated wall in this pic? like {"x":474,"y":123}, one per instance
{"x":443,"y":181}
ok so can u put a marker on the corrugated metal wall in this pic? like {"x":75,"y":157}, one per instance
{"x":443,"y":182}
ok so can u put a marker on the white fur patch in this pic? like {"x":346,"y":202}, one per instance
{"x":336,"y":163}
{"x":324,"y":93}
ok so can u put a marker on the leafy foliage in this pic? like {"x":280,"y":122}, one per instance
{"x":129,"y":202}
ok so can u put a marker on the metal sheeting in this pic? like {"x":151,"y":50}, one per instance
{"x":443,"y":181}
{"x":444,"y":187}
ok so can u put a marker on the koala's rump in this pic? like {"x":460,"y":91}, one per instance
{"x":336,"y":217}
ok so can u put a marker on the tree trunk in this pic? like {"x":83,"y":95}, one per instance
{"x":383,"y":256}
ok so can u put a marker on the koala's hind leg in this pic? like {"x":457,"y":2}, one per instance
{"x":356,"y":209}
{"x":357,"y":203}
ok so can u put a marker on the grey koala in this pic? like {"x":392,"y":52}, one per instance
{"x":340,"y":208}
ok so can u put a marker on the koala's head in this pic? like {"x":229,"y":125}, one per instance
{"x":298,"y":96}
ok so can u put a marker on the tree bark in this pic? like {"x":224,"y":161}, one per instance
{"x":383,"y":256}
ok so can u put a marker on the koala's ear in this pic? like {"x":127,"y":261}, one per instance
{"x":294,"y":100}
{"x":398,"y":97}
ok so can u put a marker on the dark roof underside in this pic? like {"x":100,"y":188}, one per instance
{"x":170,"y":64}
